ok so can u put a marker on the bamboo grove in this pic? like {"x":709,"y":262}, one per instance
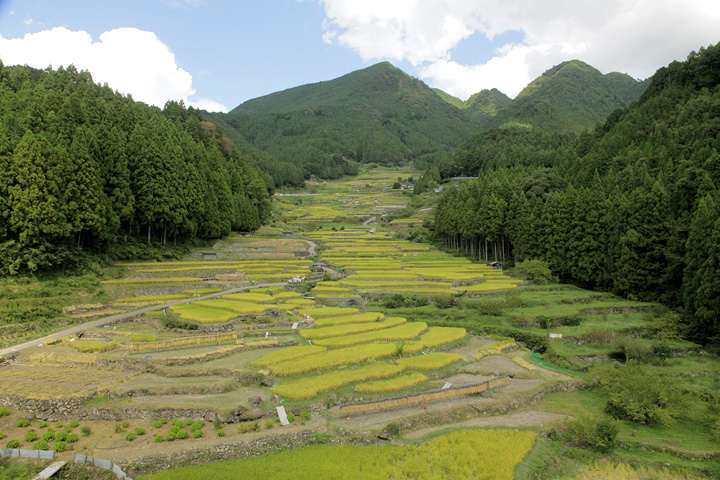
{"x":83,"y":168}
{"x":632,"y":207}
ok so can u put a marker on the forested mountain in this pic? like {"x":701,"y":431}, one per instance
{"x":481,"y":105}
{"x":631,"y":207}
{"x":540,"y":124}
{"x":83,"y":168}
{"x":375,"y":115}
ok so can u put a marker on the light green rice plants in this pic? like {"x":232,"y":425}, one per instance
{"x":361,"y":318}
{"x":396,"y":384}
{"x":333,"y":358}
{"x":286,"y":354}
{"x":431,"y":361}
{"x":286,"y":295}
{"x":300,"y":301}
{"x":351,"y":328}
{"x":143,"y":337}
{"x":242,"y":308}
{"x":407,"y":331}
{"x":249,"y":297}
{"x":151,"y":298}
{"x":307,"y":388}
{"x":323,"y":312}
{"x":200,"y":314}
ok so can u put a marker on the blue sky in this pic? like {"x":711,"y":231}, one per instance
{"x":217,"y":54}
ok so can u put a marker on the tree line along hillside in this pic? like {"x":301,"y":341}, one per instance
{"x":631,"y":206}
{"x":85,"y":169}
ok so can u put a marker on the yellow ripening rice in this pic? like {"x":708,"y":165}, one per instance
{"x":331,"y":289}
{"x":334,"y":358}
{"x":93,"y":346}
{"x":307,"y":388}
{"x":242,"y":308}
{"x":300,"y":301}
{"x":524,"y":363}
{"x":434,"y":337}
{"x":286,"y":295}
{"x":196,"y":292}
{"x":403,"y":382}
{"x":200,"y":314}
{"x":361,"y":318}
{"x":384,"y":275}
{"x":487,"y":286}
{"x":323,"y":312}
{"x":286,"y":307}
{"x":249,"y":297}
{"x":407,"y":331}
{"x":350,"y":328}
{"x":151,"y":298}
{"x":411,"y":290}
{"x":130,"y":281}
{"x":431,"y":361}
{"x":287,"y":353}
{"x":399,"y":283}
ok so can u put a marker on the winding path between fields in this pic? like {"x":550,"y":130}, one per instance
{"x":113,"y":318}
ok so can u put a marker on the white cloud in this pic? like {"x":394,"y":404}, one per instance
{"x":207,"y":104}
{"x":631,"y":36}
{"x":131,"y":61}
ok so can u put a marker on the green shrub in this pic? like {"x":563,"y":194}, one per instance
{"x":217,"y":424}
{"x":220,"y":433}
{"x":158,"y":424}
{"x":13,"y":444}
{"x":139,"y":431}
{"x":537,"y":271}
{"x":321,"y":438}
{"x":2,"y":435}
{"x":59,"y":446}
{"x":305,"y":416}
{"x":182,"y":435}
{"x":4,"y":412}
{"x":393,"y":429}
{"x":636,"y":395}
{"x":269,"y":424}
{"x":125,"y":424}
{"x":31,"y":436}
{"x":444,"y":301}
{"x":42,"y":424}
{"x":178,"y":423}
{"x":23,"y":422}
{"x":72,"y":437}
{"x":291,"y":417}
{"x":130,"y":437}
{"x":159,"y":438}
{"x":189,"y":422}
{"x":119,"y":428}
{"x":175,"y":429}
{"x":197,"y":425}
{"x":74,"y":423}
{"x":48,"y":436}
{"x":172,"y":322}
{"x":41,"y":445}
{"x":61,"y":436}
{"x":170,"y":436}
{"x":597,"y":434}
{"x":86,"y":430}
{"x":197,"y":433}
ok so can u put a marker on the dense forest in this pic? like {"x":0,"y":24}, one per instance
{"x":632,"y":206}
{"x":84,"y":169}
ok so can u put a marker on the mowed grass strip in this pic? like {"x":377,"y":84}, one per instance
{"x":407,"y":331}
{"x":323,"y":312}
{"x":431,"y":361}
{"x":396,"y":384}
{"x":350,"y":329}
{"x":200,"y":314}
{"x":310,"y":387}
{"x":362,"y":318}
{"x":286,"y":354}
{"x":334,"y":358}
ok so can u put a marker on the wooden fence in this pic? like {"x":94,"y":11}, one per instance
{"x":424,"y":397}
